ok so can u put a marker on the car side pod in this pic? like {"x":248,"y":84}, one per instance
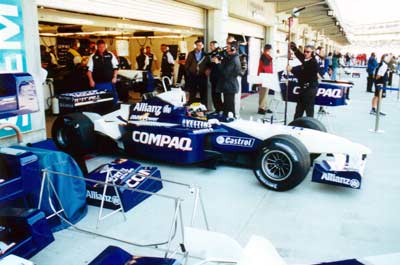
{"x":327,"y":173}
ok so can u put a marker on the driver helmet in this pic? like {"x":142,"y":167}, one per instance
{"x":197,"y":110}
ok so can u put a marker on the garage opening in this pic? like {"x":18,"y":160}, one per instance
{"x":66,"y":34}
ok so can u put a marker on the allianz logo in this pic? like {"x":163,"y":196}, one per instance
{"x":94,"y":195}
{"x":354,"y":183}
{"x":156,"y":109}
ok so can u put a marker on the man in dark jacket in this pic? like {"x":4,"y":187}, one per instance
{"x":167,"y":62}
{"x":216,"y":96}
{"x":196,"y":67}
{"x":307,"y":76}
{"x":372,"y":64}
{"x":229,"y":69}
{"x":103,"y":69}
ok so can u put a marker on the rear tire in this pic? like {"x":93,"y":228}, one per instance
{"x":74,"y":134}
{"x":309,"y":123}
{"x":282,"y":163}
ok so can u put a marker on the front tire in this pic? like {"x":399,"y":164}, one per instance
{"x":282,"y":163}
{"x":309,"y":123}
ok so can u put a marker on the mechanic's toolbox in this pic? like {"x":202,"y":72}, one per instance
{"x":95,"y":100}
{"x":324,"y":173}
{"x":128,"y":174}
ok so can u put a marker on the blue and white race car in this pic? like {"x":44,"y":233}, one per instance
{"x":162,"y":128}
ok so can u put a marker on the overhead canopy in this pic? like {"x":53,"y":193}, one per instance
{"x":319,"y":15}
{"x":64,"y":23}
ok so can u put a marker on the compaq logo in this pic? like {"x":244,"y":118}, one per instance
{"x":354,"y":183}
{"x":161,"y":140}
{"x":330,"y":92}
{"x":324,"y":92}
{"x":235,"y":141}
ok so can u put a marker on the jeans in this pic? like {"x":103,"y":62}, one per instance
{"x":370,"y":82}
{"x":334,"y":73}
{"x":306,"y":102}
{"x":197,"y":83}
{"x":229,"y":103}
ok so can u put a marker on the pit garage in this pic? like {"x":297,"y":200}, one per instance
{"x":124,"y":36}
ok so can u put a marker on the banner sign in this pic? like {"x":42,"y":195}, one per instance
{"x":12,"y":57}
{"x":329,"y":93}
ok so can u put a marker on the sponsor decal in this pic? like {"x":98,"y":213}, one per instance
{"x":330,"y":92}
{"x":143,"y":117}
{"x":235,"y":141}
{"x":324,"y":92}
{"x":122,"y":173}
{"x":12,"y":50}
{"x":155,"y":109}
{"x":94,"y":195}
{"x":200,"y":131}
{"x":354,"y":183}
{"x":161,"y":140}
{"x":12,"y":54}
{"x":197,"y":124}
{"x":119,"y":173}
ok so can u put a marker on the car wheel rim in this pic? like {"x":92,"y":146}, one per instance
{"x":277,"y":165}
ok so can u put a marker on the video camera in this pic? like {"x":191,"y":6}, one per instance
{"x":219,"y":53}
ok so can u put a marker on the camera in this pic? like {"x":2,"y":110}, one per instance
{"x":219,"y":53}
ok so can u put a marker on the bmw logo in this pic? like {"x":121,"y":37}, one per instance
{"x":220,"y":140}
{"x":354,"y":183}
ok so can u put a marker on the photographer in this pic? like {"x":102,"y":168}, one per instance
{"x":307,"y":75}
{"x":229,"y":69}
{"x":196,"y":73}
{"x":216,"y":96}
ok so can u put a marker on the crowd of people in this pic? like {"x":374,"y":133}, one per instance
{"x":221,"y":69}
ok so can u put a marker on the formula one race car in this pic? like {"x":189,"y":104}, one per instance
{"x":162,"y":128}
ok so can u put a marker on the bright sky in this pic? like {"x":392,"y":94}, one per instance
{"x":356,"y":12}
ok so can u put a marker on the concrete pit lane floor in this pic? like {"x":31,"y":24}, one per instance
{"x":309,"y":224}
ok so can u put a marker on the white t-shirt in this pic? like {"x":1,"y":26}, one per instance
{"x":382,"y":70}
{"x":170,"y":58}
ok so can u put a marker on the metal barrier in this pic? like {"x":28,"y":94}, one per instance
{"x":378,"y":110}
{"x":177,"y":220}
